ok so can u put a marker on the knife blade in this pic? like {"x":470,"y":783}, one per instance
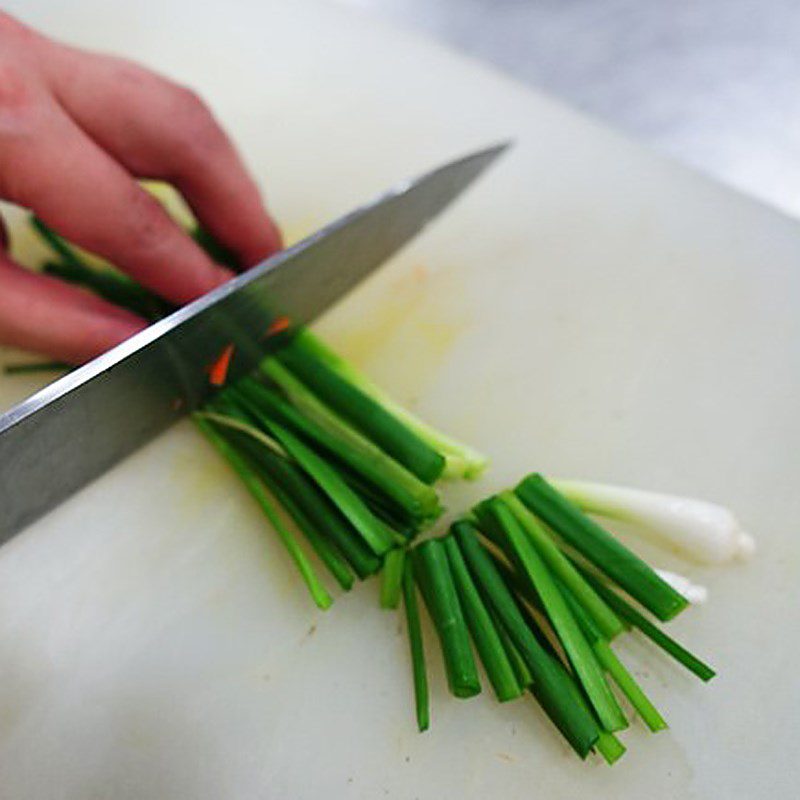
{"x":73,"y":430}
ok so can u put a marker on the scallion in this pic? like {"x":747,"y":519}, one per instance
{"x":391,"y":577}
{"x":432,"y":571}
{"x":600,"y":547}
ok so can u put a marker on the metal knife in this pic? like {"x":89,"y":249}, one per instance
{"x":73,"y":430}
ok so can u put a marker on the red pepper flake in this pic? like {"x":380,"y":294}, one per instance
{"x":278,"y":325}
{"x":218,"y":371}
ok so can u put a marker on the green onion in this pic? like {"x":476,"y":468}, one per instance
{"x":439,"y":592}
{"x":337,"y":565}
{"x":600,"y":547}
{"x":610,"y":747}
{"x":259,"y":494}
{"x":35,"y":366}
{"x":575,"y":645}
{"x":484,"y":633}
{"x":630,"y":688}
{"x":375,"y":533}
{"x":215,"y":249}
{"x":365,"y":414}
{"x":521,"y":671}
{"x":461,"y":461}
{"x":59,"y":245}
{"x":610,"y":662}
{"x":551,"y":682}
{"x":608,"y":622}
{"x":267,"y":455}
{"x":417,"y":647}
{"x":652,"y":631}
{"x":322,"y":514}
{"x":392,"y":577}
{"x":342,"y":442}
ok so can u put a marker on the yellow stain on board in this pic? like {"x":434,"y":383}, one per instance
{"x":402,"y":328}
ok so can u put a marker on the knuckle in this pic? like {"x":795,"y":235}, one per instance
{"x":199,"y":133}
{"x":16,"y":93}
{"x":146,"y":228}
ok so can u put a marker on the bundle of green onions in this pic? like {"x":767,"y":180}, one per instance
{"x":537,"y":591}
{"x":527,"y":583}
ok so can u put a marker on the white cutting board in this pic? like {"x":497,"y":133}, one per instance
{"x":589,"y":310}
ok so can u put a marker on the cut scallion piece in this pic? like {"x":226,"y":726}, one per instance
{"x":551,"y":682}
{"x":578,"y":651}
{"x":521,"y":671}
{"x":461,"y":460}
{"x":608,"y":622}
{"x":651,"y":630}
{"x":432,"y":571}
{"x":36,"y":366}
{"x":610,"y":747}
{"x":340,"y":440}
{"x":616,"y":669}
{"x":259,"y":494}
{"x":337,"y":565}
{"x":392,"y":576}
{"x":417,"y":648}
{"x":368,"y":416}
{"x":629,"y":687}
{"x":487,"y":640}
{"x":322,"y":514}
{"x":600,"y":547}
{"x":375,"y":533}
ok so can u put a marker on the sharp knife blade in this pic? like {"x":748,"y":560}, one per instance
{"x":79,"y":426}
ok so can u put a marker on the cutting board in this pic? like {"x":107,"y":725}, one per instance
{"x":589,"y":310}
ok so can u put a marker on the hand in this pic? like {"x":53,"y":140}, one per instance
{"x":76,"y":130}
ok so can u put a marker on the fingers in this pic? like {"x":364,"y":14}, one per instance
{"x":48,"y":164}
{"x":48,"y":316}
{"x":161,"y":130}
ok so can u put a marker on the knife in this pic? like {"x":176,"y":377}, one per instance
{"x":73,"y":430}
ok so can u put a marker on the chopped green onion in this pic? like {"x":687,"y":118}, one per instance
{"x":439,"y":592}
{"x":600,"y":547}
{"x":341,"y":441}
{"x":610,"y":662}
{"x":610,"y":747}
{"x":608,"y":622}
{"x":375,"y":533}
{"x":322,"y":514}
{"x":630,"y":688}
{"x":337,"y":565}
{"x":521,"y":671}
{"x":651,"y":630}
{"x":417,"y":647}
{"x":484,"y":633}
{"x":551,"y":682}
{"x":392,"y":577}
{"x":259,"y":494}
{"x":35,"y":366}
{"x":461,"y":460}
{"x":580,"y":654}
{"x":364,"y":413}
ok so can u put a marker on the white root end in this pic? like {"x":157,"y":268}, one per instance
{"x":705,"y":532}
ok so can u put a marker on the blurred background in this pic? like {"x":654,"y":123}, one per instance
{"x":713,"y":83}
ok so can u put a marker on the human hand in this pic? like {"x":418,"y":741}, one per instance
{"x":76,"y":131}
